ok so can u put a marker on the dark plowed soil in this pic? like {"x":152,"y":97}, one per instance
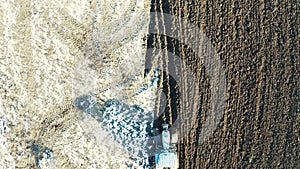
{"x":258,"y":44}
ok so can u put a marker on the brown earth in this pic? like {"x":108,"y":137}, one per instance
{"x":258,"y":44}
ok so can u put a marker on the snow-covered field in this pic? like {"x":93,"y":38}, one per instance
{"x":52,"y":52}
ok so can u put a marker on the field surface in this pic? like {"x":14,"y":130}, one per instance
{"x":63,"y":60}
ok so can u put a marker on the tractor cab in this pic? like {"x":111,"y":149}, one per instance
{"x":166,"y":151}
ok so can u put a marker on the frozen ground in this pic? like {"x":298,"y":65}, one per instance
{"x":53,"y":52}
